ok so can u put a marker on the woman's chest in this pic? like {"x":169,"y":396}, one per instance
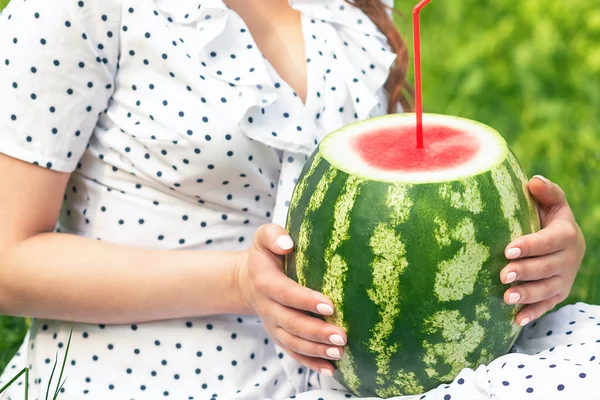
{"x":196,"y":101}
{"x":196,"y":76}
{"x":186,"y":97}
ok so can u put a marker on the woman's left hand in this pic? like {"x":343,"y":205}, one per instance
{"x":545,"y":262}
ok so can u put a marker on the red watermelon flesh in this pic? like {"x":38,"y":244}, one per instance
{"x":394,"y":149}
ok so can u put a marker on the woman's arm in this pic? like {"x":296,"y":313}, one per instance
{"x":60,"y":276}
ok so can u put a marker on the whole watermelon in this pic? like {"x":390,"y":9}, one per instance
{"x":408,"y":244}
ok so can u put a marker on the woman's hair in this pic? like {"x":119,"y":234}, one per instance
{"x":397,"y":87}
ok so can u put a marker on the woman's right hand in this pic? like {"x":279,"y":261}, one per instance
{"x":282,"y":304}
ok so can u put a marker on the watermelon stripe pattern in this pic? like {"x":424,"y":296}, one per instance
{"x":388,"y":265}
{"x":412,"y":269}
{"x":336,"y":268}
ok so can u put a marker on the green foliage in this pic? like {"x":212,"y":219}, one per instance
{"x":530,"y":69}
{"x":12,"y":331}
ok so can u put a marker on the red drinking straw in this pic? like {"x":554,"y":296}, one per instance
{"x":418,"y":80}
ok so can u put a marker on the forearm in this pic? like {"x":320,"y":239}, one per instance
{"x":60,"y":276}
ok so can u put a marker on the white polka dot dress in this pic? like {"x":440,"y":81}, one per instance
{"x":180,"y":135}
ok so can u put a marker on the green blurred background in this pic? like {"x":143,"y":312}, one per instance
{"x":530,"y":69}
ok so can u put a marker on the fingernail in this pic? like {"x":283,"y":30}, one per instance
{"x":513,"y":298}
{"x":541,"y":178}
{"x":513,"y":253}
{"x":325,"y":309}
{"x":332,"y":352}
{"x":524,"y":321}
{"x":337,"y":340}
{"x":510,"y":277}
{"x":285,"y":242}
{"x":326,"y":372}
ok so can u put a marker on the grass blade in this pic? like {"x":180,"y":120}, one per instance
{"x":62,"y":370}
{"x":52,"y":375}
{"x":23,"y":371}
{"x":26,"y":383}
{"x":59,"y":388}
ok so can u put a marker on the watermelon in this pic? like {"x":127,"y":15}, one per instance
{"x":408,"y":244}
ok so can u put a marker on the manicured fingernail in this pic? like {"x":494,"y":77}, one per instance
{"x":510,"y":277}
{"x":324,"y":309}
{"x":513,"y":253}
{"x":337,"y":340}
{"x":541,"y":178}
{"x":524,"y":321}
{"x":513,"y":298}
{"x":285,"y":242}
{"x":332,"y":352}
{"x":326,"y":372}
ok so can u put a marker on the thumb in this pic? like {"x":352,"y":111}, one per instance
{"x":547,"y":193}
{"x":273,"y":239}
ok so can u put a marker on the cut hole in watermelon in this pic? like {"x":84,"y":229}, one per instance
{"x":384,"y":149}
{"x":394,"y":149}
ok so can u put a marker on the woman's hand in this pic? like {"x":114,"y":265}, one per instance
{"x":545,"y":262}
{"x":282,"y":304}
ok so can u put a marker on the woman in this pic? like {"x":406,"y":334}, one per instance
{"x":164,"y":136}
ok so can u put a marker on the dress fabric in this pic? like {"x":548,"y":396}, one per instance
{"x":180,"y":135}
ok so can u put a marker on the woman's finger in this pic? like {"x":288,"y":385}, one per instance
{"x":309,"y":328}
{"x":533,"y":269}
{"x":536,"y":310}
{"x":273,"y":239}
{"x":314,"y":363}
{"x":534,"y":292}
{"x":547,"y":193}
{"x":306,"y":347}
{"x":558,"y":235}
{"x":285,"y":291}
